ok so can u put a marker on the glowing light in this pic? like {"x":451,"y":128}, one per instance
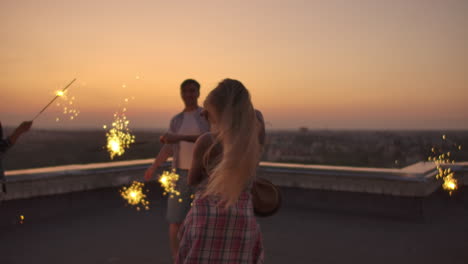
{"x":441,"y":160}
{"x":168,"y":181}
{"x":68,"y":104}
{"x":450,"y":184}
{"x":119,"y":137}
{"x":135,"y":196}
{"x":21,"y":219}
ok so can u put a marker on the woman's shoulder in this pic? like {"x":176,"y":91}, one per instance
{"x":205,"y":139}
{"x":259,"y":115}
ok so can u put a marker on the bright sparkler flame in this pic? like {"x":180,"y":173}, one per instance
{"x":114,"y":145}
{"x":450,"y":184}
{"x":21,"y":219}
{"x":135,"y":196}
{"x":168,"y":181}
{"x":68,"y":105}
{"x":119,"y":137}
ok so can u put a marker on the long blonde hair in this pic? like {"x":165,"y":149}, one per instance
{"x":237,"y":131}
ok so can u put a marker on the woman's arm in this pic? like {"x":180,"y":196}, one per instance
{"x":21,"y":129}
{"x":197,"y":170}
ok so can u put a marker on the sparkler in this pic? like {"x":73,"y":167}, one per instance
{"x":21,"y":219}
{"x":135,"y":196}
{"x":168,"y":181}
{"x":68,"y":106}
{"x":57,"y":95}
{"x":439,"y":157}
{"x":119,"y":136}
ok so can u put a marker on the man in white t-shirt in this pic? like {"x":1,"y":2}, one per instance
{"x":184,"y":130}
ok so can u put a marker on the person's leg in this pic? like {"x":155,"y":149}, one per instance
{"x":177,"y":209}
{"x":173,"y":240}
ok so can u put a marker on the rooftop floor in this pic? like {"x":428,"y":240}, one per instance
{"x":97,"y":227}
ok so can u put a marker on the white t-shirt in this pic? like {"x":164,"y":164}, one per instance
{"x":189,"y":127}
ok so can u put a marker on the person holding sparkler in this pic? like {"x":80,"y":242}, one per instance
{"x":184,"y":130}
{"x":221,"y":226}
{"x":5,"y":144}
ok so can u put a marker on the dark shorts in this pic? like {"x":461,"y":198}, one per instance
{"x":178,"y":206}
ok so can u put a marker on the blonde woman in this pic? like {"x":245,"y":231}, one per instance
{"x":221,"y":226}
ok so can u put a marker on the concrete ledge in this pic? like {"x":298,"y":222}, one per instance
{"x":417,"y":180}
{"x":73,"y":178}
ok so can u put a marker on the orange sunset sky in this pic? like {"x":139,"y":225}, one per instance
{"x":364,"y":64}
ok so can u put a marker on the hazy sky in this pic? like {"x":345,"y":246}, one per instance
{"x":322,"y":64}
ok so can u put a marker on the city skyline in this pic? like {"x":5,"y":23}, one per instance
{"x":317,"y":64}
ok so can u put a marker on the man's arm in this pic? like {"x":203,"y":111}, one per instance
{"x":170,"y":138}
{"x":164,"y":153}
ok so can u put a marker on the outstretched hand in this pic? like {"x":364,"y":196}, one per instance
{"x":169,"y":138}
{"x":149,"y":173}
{"x":24,"y":127}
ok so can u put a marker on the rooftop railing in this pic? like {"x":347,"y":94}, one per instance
{"x":417,"y":180}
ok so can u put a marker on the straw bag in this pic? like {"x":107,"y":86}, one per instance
{"x":266,"y":197}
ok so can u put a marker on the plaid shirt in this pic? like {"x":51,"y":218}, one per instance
{"x":211,"y":234}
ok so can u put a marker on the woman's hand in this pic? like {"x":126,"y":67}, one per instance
{"x":24,"y":127}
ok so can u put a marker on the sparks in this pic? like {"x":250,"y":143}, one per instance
{"x":69,"y":110}
{"x":21,"y":219}
{"x":58,"y":94}
{"x":450,"y":184}
{"x":119,"y":136}
{"x":440,"y":158}
{"x":135,"y":196}
{"x":168,"y":181}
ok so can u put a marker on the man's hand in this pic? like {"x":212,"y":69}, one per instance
{"x":169,"y":138}
{"x":149,"y":173}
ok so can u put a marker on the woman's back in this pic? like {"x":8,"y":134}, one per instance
{"x":221,"y":226}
